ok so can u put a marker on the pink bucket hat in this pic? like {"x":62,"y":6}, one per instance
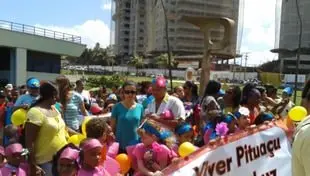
{"x":70,"y":153}
{"x":91,"y":144}
{"x":13,"y":148}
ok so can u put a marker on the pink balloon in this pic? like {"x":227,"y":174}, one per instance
{"x":167,"y":114}
{"x":111,"y":166}
{"x":113,"y":149}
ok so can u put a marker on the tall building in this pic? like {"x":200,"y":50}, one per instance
{"x":130,"y":33}
{"x":289,"y":33}
{"x":140,"y":24}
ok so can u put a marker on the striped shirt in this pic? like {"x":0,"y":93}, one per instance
{"x":72,"y":112}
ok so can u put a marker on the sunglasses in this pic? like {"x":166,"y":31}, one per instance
{"x":130,"y":92}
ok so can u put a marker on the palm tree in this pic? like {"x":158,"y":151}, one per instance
{"x":137,"y":62}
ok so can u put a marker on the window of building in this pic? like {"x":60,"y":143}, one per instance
{"x":141,"y":30}
{"x":43,"y":62}
{"x":127,"y":5}
{"x":5,"y":58}
{"x":126,"y":32}
{"x":141,"y":38}
{"x":141,"y":23}
{"x":126,"y":47}
{"x":126,"y":25}
{"x":140,"y":45}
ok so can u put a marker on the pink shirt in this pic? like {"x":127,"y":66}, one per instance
{"x":98,"y":171}
{"x":7,"y":169}
{"x":163,"y":153}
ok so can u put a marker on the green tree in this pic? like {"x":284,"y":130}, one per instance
{"x":163,"y":61}
{"x":137,"y":62}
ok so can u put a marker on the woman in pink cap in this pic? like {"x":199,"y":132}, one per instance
{"x":90,"y":159}
{"x":15,"y":164}
{"x":65,"y":162}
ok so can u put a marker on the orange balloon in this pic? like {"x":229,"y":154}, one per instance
{"x":124,"y":162}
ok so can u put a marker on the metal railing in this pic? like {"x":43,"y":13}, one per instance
{"x":27,"y":29}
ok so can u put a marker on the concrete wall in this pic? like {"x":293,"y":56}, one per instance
{"x":42,"y":76}
{"x":38,"y":43}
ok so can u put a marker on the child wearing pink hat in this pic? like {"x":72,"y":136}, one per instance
{"x":15,"y":164}
{"x":90,"y":159}
{"x":65,"y":162}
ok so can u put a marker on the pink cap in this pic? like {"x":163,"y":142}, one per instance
{"x":13,"y":148}
{"x":160,"y":82}
{"x":2,"y":151}
{"x":70,"y":153}
{"x":91,"y":144}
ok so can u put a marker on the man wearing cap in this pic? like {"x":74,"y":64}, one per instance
{"x":163,"y":102}
{"x":26,"y":100}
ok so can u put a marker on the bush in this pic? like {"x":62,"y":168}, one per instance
{"x":113,"y":81}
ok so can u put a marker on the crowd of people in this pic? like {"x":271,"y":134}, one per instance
{"x":144,"y":121}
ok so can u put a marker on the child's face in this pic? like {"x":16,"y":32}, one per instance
{"x":147,"y":139}
{"x":66,"y":167}
{"x":92,"y":157}
{"x":110,"y":137}
{"x":15,"y":159}
{"x":186,"y":137}
{"x":243,"y":122}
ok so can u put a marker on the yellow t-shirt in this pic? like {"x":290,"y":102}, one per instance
{"x":51,"y":136}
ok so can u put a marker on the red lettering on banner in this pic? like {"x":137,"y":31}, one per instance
{"x":220,"y":168}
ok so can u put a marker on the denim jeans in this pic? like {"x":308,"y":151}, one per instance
{"x":47,"y":167}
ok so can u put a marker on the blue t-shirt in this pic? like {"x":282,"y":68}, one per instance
{"x":26,"y":99}
{"x":127,"y":123}
{"x":72,"y":112}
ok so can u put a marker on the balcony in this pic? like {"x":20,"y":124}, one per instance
{"x":27,"y":29}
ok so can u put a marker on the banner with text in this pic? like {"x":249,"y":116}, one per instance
{"x":264,"y":153}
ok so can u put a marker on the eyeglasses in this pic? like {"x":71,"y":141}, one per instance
{"x":130,"y":92}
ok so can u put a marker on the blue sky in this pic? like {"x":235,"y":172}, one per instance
{"x":91,"y":20}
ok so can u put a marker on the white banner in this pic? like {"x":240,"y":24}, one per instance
{"x":265,"y":153}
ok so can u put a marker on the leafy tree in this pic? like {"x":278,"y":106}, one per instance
{"x":163,"y":62}
{"x":137,"y":62}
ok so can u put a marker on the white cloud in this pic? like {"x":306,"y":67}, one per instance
{"x":91,"y":31}
{"x":106,"y":5}
{"x":259,"y":30}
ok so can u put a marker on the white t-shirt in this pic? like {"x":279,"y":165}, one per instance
{"x":168,"y":103}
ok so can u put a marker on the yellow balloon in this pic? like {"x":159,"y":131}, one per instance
{"x":19,"y":117}
{"x":76,"y":139}
{"x":186,"y":149}
{"x":85,"y":121}
{"x":297,"y":113}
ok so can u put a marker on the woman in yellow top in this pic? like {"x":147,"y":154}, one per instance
{"x":45,"y":131}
